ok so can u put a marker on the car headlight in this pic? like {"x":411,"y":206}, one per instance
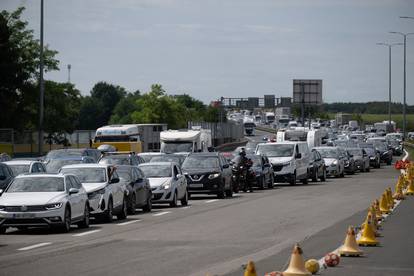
{"x":53,"y":206}
{"x":213,"y":175}
{"x":335,"y":162}
{"x":166,"y":186}
{"x":96,"y":193}
{"x":372,"y":158}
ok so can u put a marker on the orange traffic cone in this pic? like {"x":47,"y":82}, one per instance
{"x":372,"y":223}
{"x":367,"y":236}
{"x":389,"y":198}
{"x":378,"y":213}
{"x":350,"y":246}
{"x":384,"y":208}
{"x":410,"y":188}
{"x":296,"y":265}
{"x":398,"y":194}
{"x":374,"y":216}
{"x":250,"y":269}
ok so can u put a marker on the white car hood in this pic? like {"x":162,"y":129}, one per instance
{"x":35,"y":198}
{"x":278,"y":160}
{"x":156,"y":182}
{"x":92,"y":187}
{"x":329,"y":161}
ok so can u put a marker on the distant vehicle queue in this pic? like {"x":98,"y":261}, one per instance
{"x":70,"y":186}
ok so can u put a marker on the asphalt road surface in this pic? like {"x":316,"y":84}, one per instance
{"x":215,"y":236}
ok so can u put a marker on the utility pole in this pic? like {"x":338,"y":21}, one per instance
{"x":302,"y":103}
{"x":69,"y":67}
{"x":389,"y":76}
{"x":41,"y":84}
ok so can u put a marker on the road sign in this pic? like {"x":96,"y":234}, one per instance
{"x":308,"y":92}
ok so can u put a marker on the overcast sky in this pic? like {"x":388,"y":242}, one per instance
{"x":231,"y":48}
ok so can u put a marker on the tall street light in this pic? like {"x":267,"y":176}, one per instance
{"x":41,"y":84}
{"x":389,"y":76}
{"x":405,"y":80}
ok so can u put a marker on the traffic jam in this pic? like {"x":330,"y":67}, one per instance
{"x":118,"y":176}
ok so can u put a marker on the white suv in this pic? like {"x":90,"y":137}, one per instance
{"x":44,"y":200}
{"x":107,"y":195}
{"x":289,"y":160}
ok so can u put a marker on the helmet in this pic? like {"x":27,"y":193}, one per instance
{"x":242,"y":152}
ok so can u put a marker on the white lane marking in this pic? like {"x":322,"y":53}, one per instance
{"x":86,"y":233}
{"x":128,"y":222}
{"x":161,"y":214}
{"x":186,"y":207}
{"x":211,"y":200}
{"x":34,"y":246}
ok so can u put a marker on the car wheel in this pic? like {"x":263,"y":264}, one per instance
{"x":221,"y":193}
{"x":85,"y":222}
{"x":271,"y":182}
{"x":124,"y":211}
{"x":132,"y":204}
{"x":292,"y":180}
{"x":342,"y":174}
{"x":67,"y":221}
{"x":323,"y":177}
{"x":305,"y":180}
{"x":363,"y":168}
{"x":148,"y":207}
{"x":261,"y":183}
{"x":367,"y":169}
{"x":184,"y":200}
{"x":315,"y":175}
{"x":109,"y":213}
{"x":173,"y":203}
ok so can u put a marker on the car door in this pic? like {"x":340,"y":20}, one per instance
{"x":179,"y":182}
{"x":72,"y":198}
{"x":265,"y":169}
{"x":118,"y":190}
{"x":139,"y":186}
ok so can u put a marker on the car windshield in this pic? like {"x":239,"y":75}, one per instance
{"x":147,"y":157}
{"x":53,"y":154}
{"x":87,"y":175}
{"x":115,"y":160}
{"x":156,"y":171}
{"x":36,"y":184}
{"x":54,"y":165}
{"x":275,"y":150}
{"x":166,"y":158}
{"x":176,"y":147}
{"x":201,"y":162}
{"x":19,"y":169}
{"x":126,"y":175}
{"x":328,"y":153}
{"x":355,"y":152}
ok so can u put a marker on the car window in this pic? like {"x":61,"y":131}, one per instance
{"x":68,"y":183}
{"x":41,"y":167}
{"x":75,"y":182}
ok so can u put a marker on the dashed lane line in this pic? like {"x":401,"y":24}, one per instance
{"x":211,"y":200}
{"x":34,"y":246}
{"x":161,"y":214}
{"x":128,"y":222}
{"x":86,"y":233}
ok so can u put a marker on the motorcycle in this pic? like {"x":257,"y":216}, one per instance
{"x":242,"y":178}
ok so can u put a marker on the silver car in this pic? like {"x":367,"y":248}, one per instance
{"x":25,"y":166}
{"x":361,"y":159}
{"x":167,"y":182}
{"x":107,"y":195}
{"x":44,"y":200}
{"x":334,"y":164}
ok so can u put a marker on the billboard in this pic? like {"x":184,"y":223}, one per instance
{"x":307,"y":91}
{"x":269,"y":101}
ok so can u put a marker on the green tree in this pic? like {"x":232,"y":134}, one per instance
{"x":19,"y":63}
{"x":122,"y":113}
{"x":90,"y":110}
{"x":157,"y":107}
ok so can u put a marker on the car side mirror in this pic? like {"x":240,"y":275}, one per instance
{"x":73,"y":191}
{"x":114,"y":180}
{"x":225,"y":166}
{"x":298,"y":156}
{"x":2,"y":177}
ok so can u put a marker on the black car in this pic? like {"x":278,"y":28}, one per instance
{"x":208,"y":173}
{"x":384,"y":151}
{"x":6,"y":176}
{"x":349,"y":162}
{"x":317,"y":168}
{"x":139,"y":190}
{"x":262,"y":170}
{"x":93,"y":153}
{"x":121,"y":158}
{"x":395,"y":146}
{"x":373,"y":154}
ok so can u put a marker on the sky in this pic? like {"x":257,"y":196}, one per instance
{"x":229,"y":48}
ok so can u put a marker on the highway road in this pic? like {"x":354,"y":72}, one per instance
{"x":210,"y":235}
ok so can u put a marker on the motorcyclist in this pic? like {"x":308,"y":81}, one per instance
{"x":246,"y":163}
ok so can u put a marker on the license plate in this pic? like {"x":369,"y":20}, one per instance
{"x":196,"y":185}
{"x":23,"y":215}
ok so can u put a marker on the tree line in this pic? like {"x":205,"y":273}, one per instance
{"x":66,"y":109}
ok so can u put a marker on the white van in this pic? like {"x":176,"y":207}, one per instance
{"x":290,"y":160}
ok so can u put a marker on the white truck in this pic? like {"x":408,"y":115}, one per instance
{"x":185,"y":141}
{"x":249,"y":126}
{"x":269,"y":118}
{"x":314,"y":138}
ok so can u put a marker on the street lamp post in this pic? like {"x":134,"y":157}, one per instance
{"x":405,"y":81}
{"x":41,"y":84}
{"x":389,"y":76}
